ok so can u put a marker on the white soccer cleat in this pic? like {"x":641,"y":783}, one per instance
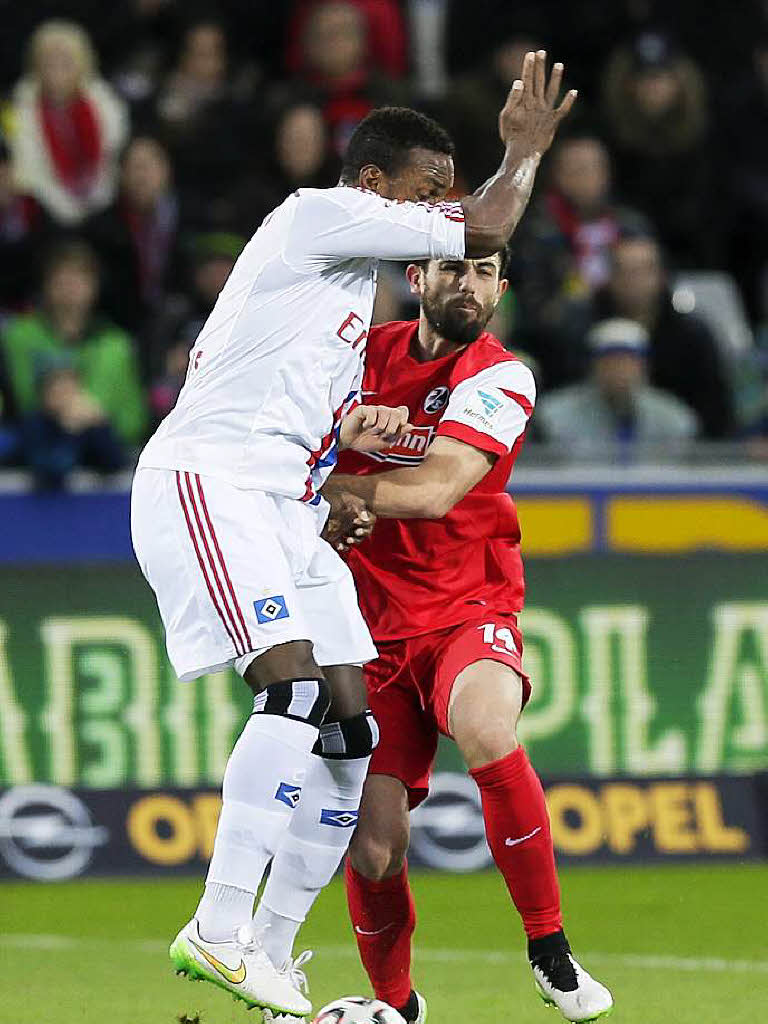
{"x":562,"y":982}
{"x":241,"y":966}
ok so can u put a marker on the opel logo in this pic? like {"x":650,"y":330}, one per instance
{"x":448,"y":829}
{"x":47,"y":833}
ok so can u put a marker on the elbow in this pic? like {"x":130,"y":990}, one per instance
{"x":435,"y":502}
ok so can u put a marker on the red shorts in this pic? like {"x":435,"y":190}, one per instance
{"x":409,"y":689}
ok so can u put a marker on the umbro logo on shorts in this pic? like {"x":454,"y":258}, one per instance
{"x":268,"y":609}
{"x":288,"y":794}
{"x":338,"y":819}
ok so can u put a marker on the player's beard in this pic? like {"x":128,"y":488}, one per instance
{"x":460,"y":326}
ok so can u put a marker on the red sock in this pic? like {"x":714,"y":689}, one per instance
{"x":385,"y":908}
{"x":513,"y":808}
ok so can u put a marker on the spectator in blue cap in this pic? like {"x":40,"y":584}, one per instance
{"x":615,"y":412}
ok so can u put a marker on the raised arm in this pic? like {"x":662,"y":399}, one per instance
{"x":527,"y":125}
{"x":377,"y":217}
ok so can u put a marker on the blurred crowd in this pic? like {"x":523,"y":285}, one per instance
{"x":142,"y":143}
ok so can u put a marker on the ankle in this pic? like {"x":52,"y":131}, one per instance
{"x":548,"y":945}
{"x":221,"y":911}
{"x":410,"y":1010}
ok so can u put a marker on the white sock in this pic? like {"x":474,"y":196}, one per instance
{"x":310,"y":851}
{"x":221,"y":911}
{"x":262,"y":785}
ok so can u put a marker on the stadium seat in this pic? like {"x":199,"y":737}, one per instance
{"x":714,"y":296}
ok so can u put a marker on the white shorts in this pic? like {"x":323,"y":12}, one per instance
{"x":237,"y":572}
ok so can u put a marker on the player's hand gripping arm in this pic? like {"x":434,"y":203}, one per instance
{"x":366,"y":428}
{"x":372,"y":428}
{"x":527,"y":125}
{"x":429,"y":491}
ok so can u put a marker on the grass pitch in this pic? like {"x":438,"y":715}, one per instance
{"x":685,"y":945}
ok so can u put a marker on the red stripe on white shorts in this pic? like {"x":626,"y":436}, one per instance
{"x":223,"y":563}
{"x":233,"y":636}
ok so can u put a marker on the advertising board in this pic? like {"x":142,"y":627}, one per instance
{"x":50,"y":833}
{"x":641,"y":666}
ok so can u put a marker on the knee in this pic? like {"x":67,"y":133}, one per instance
{"x":352,"y":738}
{"x":488,"y":745}
{"x":377,"y":857}
{"x":482,"y":741}
{"x":483,"y":713}
{"x":349,"y":693}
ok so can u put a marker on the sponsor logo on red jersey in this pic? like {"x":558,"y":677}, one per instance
{"x":410,"y":449}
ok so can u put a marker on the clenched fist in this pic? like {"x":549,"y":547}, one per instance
{"x":372,"y":428}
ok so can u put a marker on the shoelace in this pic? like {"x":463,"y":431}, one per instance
{"x":559,"y":971}
{"x":294,"y":971}
{"x":250,"y":943}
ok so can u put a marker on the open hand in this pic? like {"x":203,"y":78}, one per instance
{"x":530,"y":117}
{"x":372,"y":428}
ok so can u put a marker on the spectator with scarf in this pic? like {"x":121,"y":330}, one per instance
{"x":68,"y":125}
{"x":334,"y":70}
{"x":387,"y":44}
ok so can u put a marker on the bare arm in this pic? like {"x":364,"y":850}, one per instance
{"x":450,"y":470}
{"x":527,"y":125}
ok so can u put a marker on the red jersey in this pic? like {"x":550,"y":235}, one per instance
{"x":414,"y":576}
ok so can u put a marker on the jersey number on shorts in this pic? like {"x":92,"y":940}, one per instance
{"x":497,"y":636}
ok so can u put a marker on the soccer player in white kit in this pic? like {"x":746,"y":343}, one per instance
{"x":226,"y":513}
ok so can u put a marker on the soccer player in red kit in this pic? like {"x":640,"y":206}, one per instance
{"x":440,"y":583}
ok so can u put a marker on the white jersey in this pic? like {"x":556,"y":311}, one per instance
{"x":280,"y":359}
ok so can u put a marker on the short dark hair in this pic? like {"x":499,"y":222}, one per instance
{"x":385,"y":137}
{"x":504,"y":260}
{"x":71,"y":252}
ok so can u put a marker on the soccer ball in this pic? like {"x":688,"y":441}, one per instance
{"x":357,"y":1010}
